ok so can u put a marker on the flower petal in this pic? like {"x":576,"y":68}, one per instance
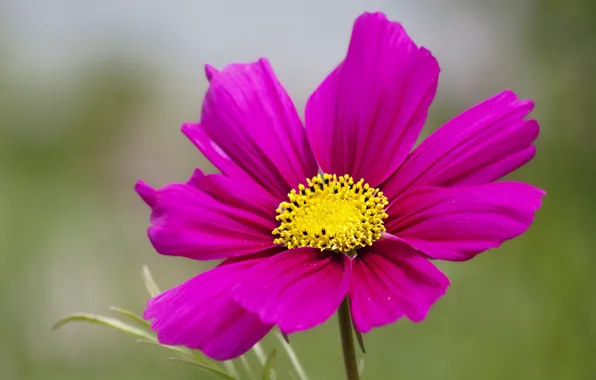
{"x":479,"y":146}
{"x":210,"y":72}
{"x":458,"y":223}
{"x":391,"y":280}
{"x":297,"y":289}
{"x":371,"y":108}
{"x":237,"y":193}
{"x":201,"y":314}
{"x":189,"y":222}
{"x":250,"y":128}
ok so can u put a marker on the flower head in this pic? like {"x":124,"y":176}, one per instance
{"x":296,"y":242}
{"x":331,"y":213}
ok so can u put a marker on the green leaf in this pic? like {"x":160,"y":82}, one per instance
{"x":360,"y":340}
{"x":129,"y":314}
{"x":177,"y":349}
{"x":285,"y":336}
{"x":246,"y":365}
{"x":293,"y":357}
{"x":212,"y":370}
{"x":105,"y":321}
{"x":181,"y":350}
{"x":259,"y":353}
{"x":268,"y":371}
{"x":231,"y":368}
{"x":149,"y":282}
{"x":359,"y":337}
{"x":144,"y":336}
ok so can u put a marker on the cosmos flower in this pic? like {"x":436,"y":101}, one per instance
{"x":307,"y":215}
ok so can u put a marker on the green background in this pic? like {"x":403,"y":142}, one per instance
{"x":73,"y":231}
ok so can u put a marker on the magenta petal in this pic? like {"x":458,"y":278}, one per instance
{"x":250,"y":128}
{"x":371,"y":108}
{"x":244,"y":195}
{"x":201,"y":314}
{"x":458,"y":223}
{"x":189,"y":222}
{"x":391,"y":280}
{"x":297,"y":289}
{"x":214,"y":153}
{"x":479,"y":146}
{"x":146,"y":192}
{"x":210,"y":72}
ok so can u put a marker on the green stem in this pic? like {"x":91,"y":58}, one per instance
{"x":347,"y":340}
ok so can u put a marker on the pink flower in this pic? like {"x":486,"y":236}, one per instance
{"x":296,"y":243}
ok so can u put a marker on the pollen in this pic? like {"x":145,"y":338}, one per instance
{"x":331,"y":213}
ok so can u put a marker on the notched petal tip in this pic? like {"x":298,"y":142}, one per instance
{"x":193,"y":132}
{"x":532,"y":127}
{"x":149,"y":312}
{"x":534,"y":197}
{"x":195,"y":178}
{"x":264,"y":61}
{"x":527,"y":104}
{"x":509,"y":96}
{"x":210,"y":72}
{"x":146,"y":192}
{"x":188,"y":128}
{"x":378,"y":17}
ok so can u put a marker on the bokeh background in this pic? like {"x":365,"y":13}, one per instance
{"x":92,"y":95}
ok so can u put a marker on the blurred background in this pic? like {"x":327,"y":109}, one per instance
{"x":92,"y":95}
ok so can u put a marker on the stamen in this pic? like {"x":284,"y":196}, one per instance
{"x":333,"y":213}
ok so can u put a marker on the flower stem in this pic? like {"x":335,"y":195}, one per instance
{"x":347,"y":340}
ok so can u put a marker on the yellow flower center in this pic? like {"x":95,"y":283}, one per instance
{"x":333,"y":213}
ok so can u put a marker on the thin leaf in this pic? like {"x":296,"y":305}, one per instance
{"x":186,"y":352}
{"x":360,"y":366}
{"x":286,"y":337}
{"x":231,"y":369}
{"x":268,"y":371}
{"x":258,"y":350}
{"x":246,"y":365}
{"x":360,"y":340}
{"x":359,"y":337}
{"x":211,"y":370}
{"x":113,"y":323}
{"x":177,"y":349}
{"x":149,"y":282}
{"x":132,"y":316}
{"x":293,"y":357}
